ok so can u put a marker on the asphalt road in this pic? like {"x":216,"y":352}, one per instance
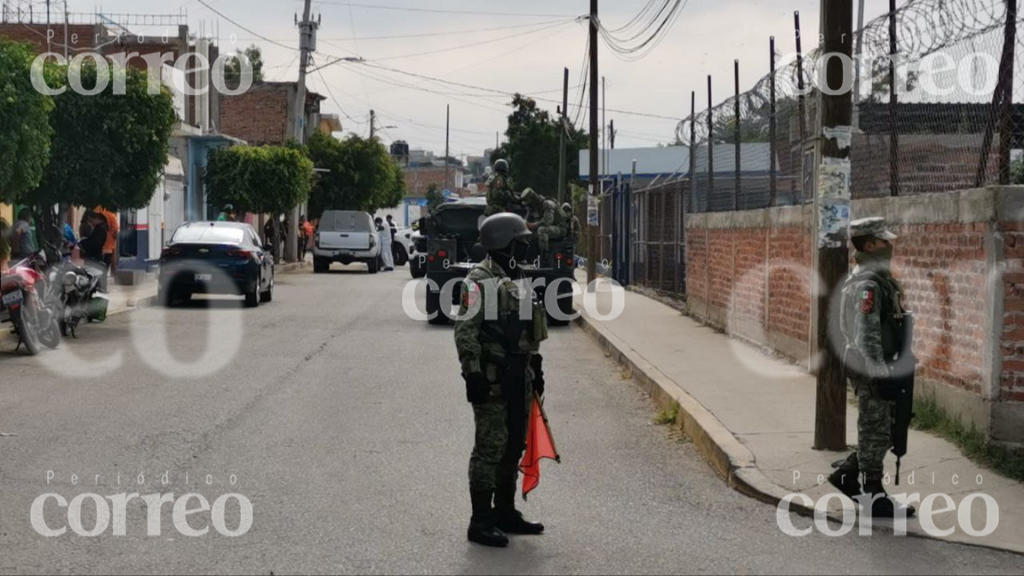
{"x":344,"y":424}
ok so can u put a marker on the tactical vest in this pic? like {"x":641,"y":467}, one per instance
{"x":508,"y":331}
{"x":891,"y":311}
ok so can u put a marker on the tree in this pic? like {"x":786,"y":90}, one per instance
{"x":233,"y":67}
{"x":108,"y":149}
{"x":360,"y":175}
{"x":25,"y":130}
{"x":532,"y":147}
{"x":267,"y":180}
{"x":434,"y":196}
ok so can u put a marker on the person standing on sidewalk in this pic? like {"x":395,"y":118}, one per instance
{"x":502,"y":368}
{"x":23,"y":239}
{"x":871,"y":324}
{"x":110,"y":247}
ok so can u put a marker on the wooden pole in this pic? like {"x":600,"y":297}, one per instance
{"x":833,"y":201}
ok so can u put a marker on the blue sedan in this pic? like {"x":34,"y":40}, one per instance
{"x":216,"y":258}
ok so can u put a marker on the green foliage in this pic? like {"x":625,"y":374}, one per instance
{"x":266,"y":180}
{"x":25,"y":130}
{"x":434,"y":196}
{"x":1017,"y":171}
{"x":532,"y":148}
{"x":233,"y":67}
{"x":108,"y":149}
{"x":1009,"y":462}
{"x":5,"y":240}
{"x":668,"y":416}
{"x":361,"y":175}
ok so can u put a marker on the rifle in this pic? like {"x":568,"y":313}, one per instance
{"x":899,"y":388}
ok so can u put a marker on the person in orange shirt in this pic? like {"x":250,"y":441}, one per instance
{"x":110,"y":248}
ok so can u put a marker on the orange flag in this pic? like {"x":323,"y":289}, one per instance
{"x":539,"y":445}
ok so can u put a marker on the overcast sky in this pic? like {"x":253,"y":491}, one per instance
{"x":527,"y":55}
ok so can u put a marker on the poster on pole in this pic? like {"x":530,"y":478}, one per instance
{"x":593,"y":213}
{"x":833,"y":203}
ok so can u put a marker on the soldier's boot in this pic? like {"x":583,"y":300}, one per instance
{"x":481,"y":526}
{"x":882,"y":505}
{"x":846,"y":477}
{"x":510,"y":520}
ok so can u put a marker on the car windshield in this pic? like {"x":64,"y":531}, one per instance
{"x":345,"y":222}
{"x":209,"y":235}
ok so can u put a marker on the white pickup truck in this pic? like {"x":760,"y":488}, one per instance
{"x":346,"y":237}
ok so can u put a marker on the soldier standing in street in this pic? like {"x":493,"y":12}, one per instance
{"x":872,"y":327}
{"x":546,"y":221}
{"x":502,"y":369}
{"x":499,"y":189}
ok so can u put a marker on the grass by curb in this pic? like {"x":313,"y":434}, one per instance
{"x":1009,"y":462}
{"x":668,"y":416}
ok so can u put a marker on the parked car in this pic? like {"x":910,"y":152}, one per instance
{"x":216,"y":258}
{"x":418,"y":255}
{"x":346,"y":237}
{"x":402,"y":246}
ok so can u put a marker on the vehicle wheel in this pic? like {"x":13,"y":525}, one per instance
{"x":252,"y":298}
{"x":435,"y":315}
{"x":268,"y":296}
{"x":564,"y":304}
{"x":320,"y":265}
{"x":50,"y":336}
{"x":27,"y":333}
{"x":416,"y":268}
{"x":401,"y":257}
{"x":373,"y":266}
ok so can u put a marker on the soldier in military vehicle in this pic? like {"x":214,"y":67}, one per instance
{"x":546,"y":220}
{"x":872,"y":327}
{"x":499,"y":189}
{"x":502,"y":369}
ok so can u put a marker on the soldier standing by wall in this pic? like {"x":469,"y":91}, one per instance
{"x":502,"y":368}
{"x":872,"y":327}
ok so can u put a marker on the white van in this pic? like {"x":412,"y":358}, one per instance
{"x":346,"y":237}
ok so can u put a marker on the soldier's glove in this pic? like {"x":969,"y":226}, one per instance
{"x":478,"y":388}
{"x":537,"y":364}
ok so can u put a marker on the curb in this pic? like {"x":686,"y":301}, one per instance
{"x":731,"y":461}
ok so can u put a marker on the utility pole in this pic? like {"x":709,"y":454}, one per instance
{"x":562,"y":159}
{"x":307,"y":45}
{"x":65,"y":30}
{"x":593,"y":202}
{"x":832,"y":199}
{"x":611,"y":134}
{"x":373,"y":124}
{"x":447,"y":132}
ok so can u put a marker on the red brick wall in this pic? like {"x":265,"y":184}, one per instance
{"x":260,"y":116}
{"x":35,"y":34}
{"x":1011,"y":382}
{"x":789,"y":282}
{"x":942,"y":267}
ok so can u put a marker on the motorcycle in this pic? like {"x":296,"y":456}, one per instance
{"x":77,"y":289}
{"x":26,"y":304}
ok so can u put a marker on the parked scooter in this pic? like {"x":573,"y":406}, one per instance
{"x":26,"y":304}
{"x":77,"y":288}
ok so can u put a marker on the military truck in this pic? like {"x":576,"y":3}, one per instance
{"x":451,"y":233}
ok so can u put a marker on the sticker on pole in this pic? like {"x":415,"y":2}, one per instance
{"x":834,"y":223}
{"x":593,"y":212}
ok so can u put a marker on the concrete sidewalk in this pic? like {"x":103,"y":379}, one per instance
{"x":752,"y":416}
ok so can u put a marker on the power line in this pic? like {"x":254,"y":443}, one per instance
{"x":453,"y":48}
{"x":257,"y":34}
{"x":439,"y":11}
{"x":425,"y":34}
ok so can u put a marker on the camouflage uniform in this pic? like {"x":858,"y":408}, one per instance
{"x":501,"y":421}
{"x":871,"y":324}
{"x":551,"y":226}
{"x":499,"y":194}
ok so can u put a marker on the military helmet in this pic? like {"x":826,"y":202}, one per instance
{"x":871,"y":228}
{"x":499,"y":231}
{"x":529,"y":196}
{"x":501,"y":167}
{"x":567,"y":208}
